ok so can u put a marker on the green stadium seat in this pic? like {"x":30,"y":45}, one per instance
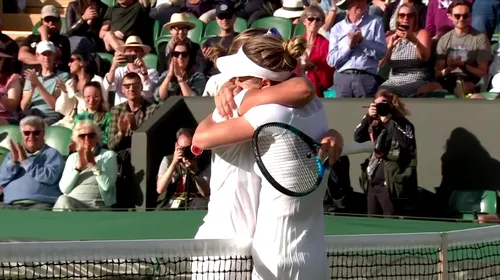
{"x":440,"y":93}
{"x":466,"y":203}
{"x":160,"y":40}
{"x":8,"y":132}
{"x":194,"y":34}
{"x":58,"y":137}
{"x":106,"y":56}
{"x":494,"y":48}
{"x":3,"y":154}
{"x":109,"y":3}
{"x":213,"y":29}
{"x":151,"y":60}
{"x":283,"y":25}
{"x":384,"y":71}
{"x":156,"y":30}
{"x":64,"y":26}
{"x":204,"y":39}
{"x":299,"y":30}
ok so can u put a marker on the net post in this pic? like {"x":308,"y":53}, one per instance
{"x":443,"y":256}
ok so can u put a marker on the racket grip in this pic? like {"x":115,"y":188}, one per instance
{"x":196,"y":151}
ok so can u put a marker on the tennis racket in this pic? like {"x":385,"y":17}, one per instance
{"x":289,"y":160}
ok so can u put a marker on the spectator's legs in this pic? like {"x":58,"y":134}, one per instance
{"x":385,"y":201}
{"x":81,"y":43}
{"x":485,"y":16}
{"x":208,"y":16}
{"x":163,"y":13}
{"x":67,"y":203}
{"x":365,"y":86}
{"x":21,"y":5}
{"x":371,"y":201}
{"x":111,"y":42}
{"x":342,"y":85}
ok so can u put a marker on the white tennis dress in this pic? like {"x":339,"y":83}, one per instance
{"x":289,"y":240}
{"x":232,"y":210}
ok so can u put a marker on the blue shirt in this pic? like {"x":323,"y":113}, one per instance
{"x":36,"y":178}
{"x":367,"y":54}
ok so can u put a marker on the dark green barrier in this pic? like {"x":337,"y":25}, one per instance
{"x":469,"y":126}
{"x":41,"y":225}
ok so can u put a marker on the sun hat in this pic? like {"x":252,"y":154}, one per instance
{"x":290,"y":9}
{"x":134,"y":41}
{"x":179,"y":19}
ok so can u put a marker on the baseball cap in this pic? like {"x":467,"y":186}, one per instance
{"x":50,"y":11}
{"x":45,"y":46}
{"x":224,"y":10}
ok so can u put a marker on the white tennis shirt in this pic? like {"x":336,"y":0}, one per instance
{"x":289,"y":238}
{"x":234,"y":190}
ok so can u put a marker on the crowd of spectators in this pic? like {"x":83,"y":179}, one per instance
{"x":56,"y":78}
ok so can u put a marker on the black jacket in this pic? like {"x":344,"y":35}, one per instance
{"x":399,"y":157}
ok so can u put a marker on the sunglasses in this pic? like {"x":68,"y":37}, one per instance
{"x":87,"y":135}
{"x":134,"y":85}
{"x":73,"y":59}
{"x":458,"y":16}
{"x":406,"y":15}
{"x":31,"y":132}
{"x":177,"y":54}
{"x":51,"y":19}
{"x":311,"y":19}
{"x":225,"y":16}
{"x":177,"y":28}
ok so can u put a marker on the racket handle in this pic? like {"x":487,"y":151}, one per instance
{"x":196,"y":151}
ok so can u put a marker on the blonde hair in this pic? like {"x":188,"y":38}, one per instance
{"x":219,"y":50}
{"x":86,"y":124}
{"x":415,"y":27}
{"x":275,"y":54}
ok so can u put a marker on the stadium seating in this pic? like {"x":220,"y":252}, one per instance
{"x":283,"y":25}
{"x":106,"y":56}
{"x":300,"y":29}
{"x":213,"y":29}
{"x":151,"y":60}
{"x":64,"y":26}
{"x":8,"y":132}
{"x":59,"y":138}
{"x":109,"y":3}
{"x":468,"y":203}
{"x":161,"y":40}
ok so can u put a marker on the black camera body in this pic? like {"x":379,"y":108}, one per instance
{"x":130,"y":58}
{"x":383,"y":109}
{"x":187,"y":154}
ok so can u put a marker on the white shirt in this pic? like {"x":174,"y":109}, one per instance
{"x":289,"y":235}
{"x":214,"y":84}
{"x":234,"y":190}
{"x":148,"y":86}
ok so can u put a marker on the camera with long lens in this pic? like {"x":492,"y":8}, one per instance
{"x":187,"y":154}
{"x":383,"y":109}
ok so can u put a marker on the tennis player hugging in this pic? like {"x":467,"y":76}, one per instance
{"x":288,"y":235}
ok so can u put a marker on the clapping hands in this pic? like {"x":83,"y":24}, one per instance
{"x":18,"y":152}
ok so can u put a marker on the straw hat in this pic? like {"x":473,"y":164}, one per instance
{"x":134,"y":41}
{"x":179,"y":19}
{"x":342,"y":4}
{"x":290,"y":9}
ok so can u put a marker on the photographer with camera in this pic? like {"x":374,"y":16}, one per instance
{"x":183,"y":177}
{"x":389,"y":175}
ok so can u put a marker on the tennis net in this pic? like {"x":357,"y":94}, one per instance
{"x":467,"y":254}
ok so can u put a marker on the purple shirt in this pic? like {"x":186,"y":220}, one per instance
{"x":437,"y":21}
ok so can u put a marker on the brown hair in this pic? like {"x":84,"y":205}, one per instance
{"x":102,"y":108}
{"x":275,"y":54}
{"x":219,"y":50}
{"x":398,"y":107}
{"x":415,"y":27}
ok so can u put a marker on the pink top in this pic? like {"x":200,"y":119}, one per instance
{"x":4,"y":113}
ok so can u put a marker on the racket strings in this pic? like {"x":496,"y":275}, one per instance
{"x":288,"y":159}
